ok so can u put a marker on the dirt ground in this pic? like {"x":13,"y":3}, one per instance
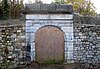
{"x":49,"y":66}
{"x":35,"y":65}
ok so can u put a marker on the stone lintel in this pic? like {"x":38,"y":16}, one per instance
{"x":47,"y":8}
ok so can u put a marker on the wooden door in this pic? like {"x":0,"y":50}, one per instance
{"x":49,"y":44}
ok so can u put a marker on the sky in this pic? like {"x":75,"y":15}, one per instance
{"x":96,"y":3}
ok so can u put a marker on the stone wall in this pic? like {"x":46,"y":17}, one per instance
{"x":87,"y":44}
{"x":12,"y":41}
{"x":86,"y":39}
{"x":14,"y":36}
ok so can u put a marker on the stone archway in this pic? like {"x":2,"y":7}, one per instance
{"x":49,"y":45}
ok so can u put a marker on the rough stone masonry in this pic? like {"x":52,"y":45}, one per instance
{"x":82,"y":33}
{"x":87,"y":39}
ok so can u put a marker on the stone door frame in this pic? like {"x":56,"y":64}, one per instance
{"x":63,"y":21}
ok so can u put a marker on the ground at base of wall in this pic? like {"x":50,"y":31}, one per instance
{"x":62,"y":66}
{"x":50,"y":66}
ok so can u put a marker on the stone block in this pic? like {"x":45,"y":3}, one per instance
{"x":37,"y":25}
{"x":23,"y":44}
{"x":55,"y":24}
{"x":29,"y":23}
{"x":47,"y":8}
{"x":69,"y":36}
{"x":98,"y":38}
{"x":67,"y":29}
{"x":32,"y":46}
{"x":66,"y":55}
{"x":31,"y":29}
{"x":49,"y":16}
{"x":70,"y":55}
{"x":10,"y":48}
{"x":18,"y":31}
{"x":65,"y":25}
{"x":70,"y":49}
{"x":66,"y":48}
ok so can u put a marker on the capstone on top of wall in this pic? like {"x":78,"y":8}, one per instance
{"x":92,"y":20}
{"x":48,"y":8}
{"x":11,"y":22}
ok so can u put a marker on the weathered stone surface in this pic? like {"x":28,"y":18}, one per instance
{"x":64,"y":22}
{"x":91,"y":20}
{"x":83,"y":46}
{"x":48,"y":16}
{"x":48,"y":8}
{"x":12,"y":36}
{"x":87,"y":50}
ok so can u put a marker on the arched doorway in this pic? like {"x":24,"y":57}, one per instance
{"x":49,"y":45}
